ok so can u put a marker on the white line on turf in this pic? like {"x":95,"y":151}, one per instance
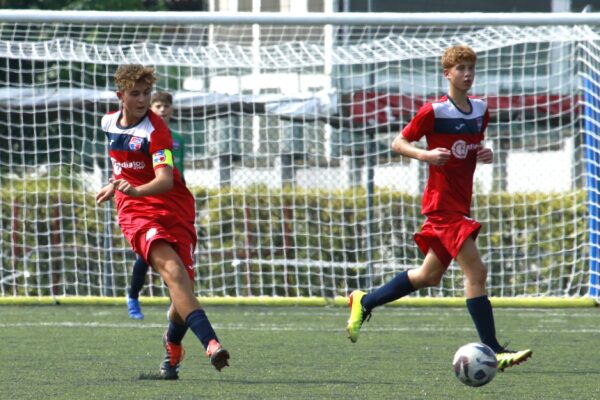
{"x":272,"y":327}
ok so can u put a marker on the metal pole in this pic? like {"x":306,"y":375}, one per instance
{"x":107,"y":273}
{"x":275,"y":18}
{"x":371,"y":159}
{"x":591,"y":104}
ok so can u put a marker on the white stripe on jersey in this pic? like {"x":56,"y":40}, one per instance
{"x":144,"y":129}
{"x":446,"y":109}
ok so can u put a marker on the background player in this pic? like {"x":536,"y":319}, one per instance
{"x":146,"y":187}
{"x":162,"y":105}
{"x":453,"y":127}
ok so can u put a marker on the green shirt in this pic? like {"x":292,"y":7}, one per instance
{"x":178,"y":150}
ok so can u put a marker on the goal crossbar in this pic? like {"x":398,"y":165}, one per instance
{"x":273,"y":18}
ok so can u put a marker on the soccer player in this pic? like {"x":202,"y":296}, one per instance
{"x":453,"y":127}
{"x":156,"y":211}
{"x":161,"y":104}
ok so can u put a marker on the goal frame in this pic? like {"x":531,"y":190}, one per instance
{"x":590,"y":103}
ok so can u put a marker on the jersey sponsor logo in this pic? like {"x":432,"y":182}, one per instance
{"x":460,"y":148}
{"x":135,"y":143}
{"x":159,"y":157}
{"x":118,"y":166}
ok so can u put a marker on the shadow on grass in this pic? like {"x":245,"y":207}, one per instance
{"x":560,"y":372}
{"x":302,"y":382}
{"x":156,"y":377}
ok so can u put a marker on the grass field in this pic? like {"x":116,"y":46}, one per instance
{"x":97,"y":352}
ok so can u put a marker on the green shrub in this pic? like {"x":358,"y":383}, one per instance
{"x":261,"y":241}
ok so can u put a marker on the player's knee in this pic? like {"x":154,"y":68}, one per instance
{"x":424,"y":279}
{"x":173,"y":273}
{"x":477,"y":278}
{"x":433,"y":279}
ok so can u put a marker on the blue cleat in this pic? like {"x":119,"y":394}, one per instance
{"x":134,"y":309}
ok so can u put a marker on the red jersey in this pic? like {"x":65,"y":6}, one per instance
{"x":450,"y":187}
{"x":132,"y":152}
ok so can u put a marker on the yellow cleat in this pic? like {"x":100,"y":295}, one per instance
{"x":508,"y":358}
{"x":358,"y":314}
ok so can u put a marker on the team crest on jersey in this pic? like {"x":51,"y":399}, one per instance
{"x":159,"y":157}
{"x":135,"y":143}
{"x":479,"y":122}
{"x":460,"y":148}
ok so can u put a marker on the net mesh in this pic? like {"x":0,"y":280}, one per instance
{"x":288,"y":132}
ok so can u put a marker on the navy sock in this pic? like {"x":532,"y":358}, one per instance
{"x":480,"y":309}
{"x":398,"y":287}
{"x":176,"y":332}
{"x":198,"y":322}
{"x":138,"y":276}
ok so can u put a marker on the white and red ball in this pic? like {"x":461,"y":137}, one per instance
{"x":475,"y":364}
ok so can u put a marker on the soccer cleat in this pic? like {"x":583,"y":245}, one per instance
{"x":508,"y":358}
{"x":358,"y":314}
{"x":134,"y":309}
{"x":218,"y":355}
{"x":169,"y":367}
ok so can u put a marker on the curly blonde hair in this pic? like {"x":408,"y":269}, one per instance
{"x":456,"y":54}
{"x":127,"y":75}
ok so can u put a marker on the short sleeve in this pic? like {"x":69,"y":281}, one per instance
{"x":486,"y":120}
{"x":421,"y":124}
{"x":160,"y":139}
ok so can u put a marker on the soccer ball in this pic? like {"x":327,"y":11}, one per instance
{"x":475,"y":364}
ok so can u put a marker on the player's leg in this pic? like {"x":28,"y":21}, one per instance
{"x":480,"y":307}
{"x":361,"y":303}
{"x":478,"y":303}
{"x":138,"y":276}
{"x":174,"y":352}
{"x":184,"y":303}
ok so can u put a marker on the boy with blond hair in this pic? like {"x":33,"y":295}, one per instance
{"x":156,"y":212}
{"x":454,"y":128}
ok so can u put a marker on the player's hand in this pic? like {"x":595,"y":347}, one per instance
{"x":125,"y":187}
{"x":485,"y":155}
{"x":438,"y":156}
{"x":106,"y":193}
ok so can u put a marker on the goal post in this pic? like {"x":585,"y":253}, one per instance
{"x":288,"y":122}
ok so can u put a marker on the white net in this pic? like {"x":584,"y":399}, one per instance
{"x":288,"y":132}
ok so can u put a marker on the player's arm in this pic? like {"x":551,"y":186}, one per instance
{"x":437,"y":156}
{"x":162,"y":161}
{"x":419,"y":126}
{"x":162,"y":182}
{"x":106,"y":193}
{"x":485,"y":154}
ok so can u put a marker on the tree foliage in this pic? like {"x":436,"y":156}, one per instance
{"x":107,"y":5}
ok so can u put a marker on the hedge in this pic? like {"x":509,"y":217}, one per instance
{"x":534,"y":244}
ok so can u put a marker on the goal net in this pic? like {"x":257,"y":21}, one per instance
{"x":288,"y":127}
